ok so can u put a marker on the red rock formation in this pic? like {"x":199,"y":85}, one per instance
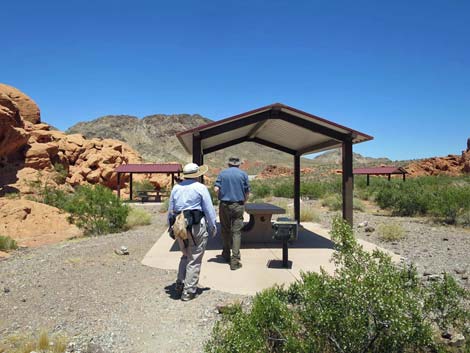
{"x":28,"y":146}
{"x":273,"y":171}
{"x":452,"y":165}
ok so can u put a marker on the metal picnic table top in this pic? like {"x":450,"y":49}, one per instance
{"x":263,"y":208}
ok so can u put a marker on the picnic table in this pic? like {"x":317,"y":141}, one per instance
{"x":259,"y":228}
{"x":147,"y":195}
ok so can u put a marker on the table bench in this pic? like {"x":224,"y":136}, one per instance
{"x":147,"y":195}
{"x":259,"y":228}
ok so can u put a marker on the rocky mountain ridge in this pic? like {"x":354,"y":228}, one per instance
{"x":154,"y":137}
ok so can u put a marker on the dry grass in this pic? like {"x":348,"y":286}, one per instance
{"x":309,"y":214}
{"x":7,"y":243}
{"x":138,"y":217}
{"x":391,"y":232}
{"x":26,"y":343}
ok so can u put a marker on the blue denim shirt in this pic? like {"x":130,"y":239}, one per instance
{"x":233,"y":184}
{"x":192,"y":195}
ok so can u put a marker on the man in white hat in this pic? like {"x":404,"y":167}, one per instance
{"x":192,"y":198}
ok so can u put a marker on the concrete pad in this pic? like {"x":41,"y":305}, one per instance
{"x":310,"y":252}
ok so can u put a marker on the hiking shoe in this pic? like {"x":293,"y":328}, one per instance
{"x":226,"y":257}
{"x":188,"y":296}
{"x":235,"y":265}
{"x":179,"y":286}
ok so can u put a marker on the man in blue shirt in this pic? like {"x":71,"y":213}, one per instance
{"x":233,"y":188}
{"x":190,"y":195}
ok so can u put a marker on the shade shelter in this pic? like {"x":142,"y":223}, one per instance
{"x":283,"y":128}
{"x":169,"y":168}
{"x":381,"y":171}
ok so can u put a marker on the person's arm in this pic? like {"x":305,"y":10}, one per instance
{"x":246,"y":186}
{"x":217,"y":185}
{"x":208,"y":209}
{"x":171,"y":205}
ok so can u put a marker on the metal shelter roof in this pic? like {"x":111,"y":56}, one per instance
{"x":149,"y":168}
{"x":380,"y":170}
{"x":278,"y":126}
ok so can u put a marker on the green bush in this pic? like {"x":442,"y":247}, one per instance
{"x":284,"y":189}
{"x":164,"y":205}
{"x":143,"y":185}
{"x":443,"y":198}
{"x":96,"y":210}
{"x":7,"y":243}
{"x":138,"y":217}
{"x":391,"y":232}
{"x":260,"y":189}
{"x":369,"y":305}
{"x":62,"y":173}
{"x":333,"y":202}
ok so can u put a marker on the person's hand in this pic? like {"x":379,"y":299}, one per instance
{"x":213,"y":232}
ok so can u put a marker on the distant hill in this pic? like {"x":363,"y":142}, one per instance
{"x":154,"y":137}
{"x":334,"y":157}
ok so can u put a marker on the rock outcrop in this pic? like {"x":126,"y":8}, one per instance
{"x":451,"y":165}
{"x":31,"y":150}
{"x":32,"y":224}
{"x":28,"y":109}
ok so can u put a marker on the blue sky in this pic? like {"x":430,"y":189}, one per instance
{"x":397,"y":70}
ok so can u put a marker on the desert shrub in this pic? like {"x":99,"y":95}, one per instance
{"x":443,"y":198}
{"x":313,"y":190}
{"x":42,"y":342}
{"x":369,"y":305}
{"x":53,"y":197}
{"x":283,"y":189}
{"x":309,"y":214}
{"x":138,"y":217}
{"x":358,"y":205}
{"x":260,"y":189}
{"x":164,"y":206}
{"x":463,"y":218}
{"x":391,"y":232}
{"x":141,"y":185}
{"x":7,"y":243}
{"x":333,"y":202}
{"x":214,"y":197}
{"x":61,"y":173}
{"x":96,"y":210}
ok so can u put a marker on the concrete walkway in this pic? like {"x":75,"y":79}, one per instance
{"x":310,"y":252}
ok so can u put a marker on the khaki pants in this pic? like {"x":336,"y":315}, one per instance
{"x":190,"y":263}
{"x":231,"y":220}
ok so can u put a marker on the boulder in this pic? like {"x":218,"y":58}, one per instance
{"x":39,"y":155}
{"x":12,"y":133}
{"x":28,"y":109}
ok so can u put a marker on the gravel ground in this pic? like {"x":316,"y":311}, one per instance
{"x":108,"y":302}
{"x":433,"y":248}
{"x":113,"y":303}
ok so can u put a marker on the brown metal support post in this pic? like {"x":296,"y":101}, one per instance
{"x":119,"y":185}
{"x":197,"y":152}
{"x":172,"y":180}
{"x":347,"y":155}
{"x":130,"y":188}
{"x":404,"y":178}
{"x":297,"y":188}
{"x":389,"y":177}
{"x":367,"y":179}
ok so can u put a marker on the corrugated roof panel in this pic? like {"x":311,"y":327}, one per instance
{"x":149,"y":168}
{"x":380,"y":170}
{"x":292,"y":136}
{"x":285,"y":134}
{"x":227,"y":136}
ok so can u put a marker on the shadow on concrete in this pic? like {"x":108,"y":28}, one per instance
{"x":306,"y":240}
{"x":173,"y":294}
